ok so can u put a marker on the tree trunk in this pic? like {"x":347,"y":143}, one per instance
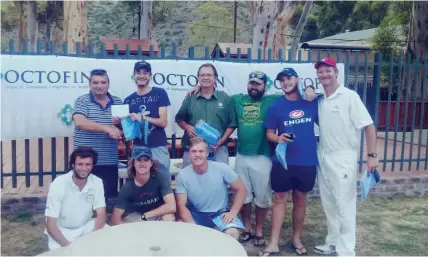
{"x":32,"y":25}
{"x":75,"y":25}
{"x":269,"y":18}
{"x":22,"y":35}
{"x":48,"y":29}
{"x":418,"y":41}
{"x":299,"y":29}
{"x":418,"y":38}
{"x":146,"y":20}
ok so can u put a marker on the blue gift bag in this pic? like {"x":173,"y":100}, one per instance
{"x":131,"y":129}
{"x":367,"y":182}
{"x":208,"y":133}
{"x":281,"y":152}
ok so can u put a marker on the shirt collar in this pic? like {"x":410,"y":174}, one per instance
{"x":110,"y":100}
{"x":215,"y":94}
{"x":339,"y":91}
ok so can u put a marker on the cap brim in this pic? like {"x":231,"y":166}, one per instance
{"x":256,"y":80}
{"x":317,"y":64}
{"x":141,"y":155}
{"x":143,"y":67}
{"x":278,"y":77}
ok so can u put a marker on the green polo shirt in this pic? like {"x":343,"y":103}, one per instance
{"x":251,"y":132}
{"x":217,"y":111}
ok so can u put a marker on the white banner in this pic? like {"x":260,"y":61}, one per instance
{"x":38,"y":92}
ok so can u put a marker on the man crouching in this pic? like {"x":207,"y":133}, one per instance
{"x":147,"y":195}
{"x":202,"y":193}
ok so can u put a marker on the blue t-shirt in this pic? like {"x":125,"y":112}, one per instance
{"x":297,"y":117}
{"x":150,"y":102}
{"x":206,"y":192}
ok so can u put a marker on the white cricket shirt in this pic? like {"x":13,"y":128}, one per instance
{"x":71,"y":207}
{"x":342,"y":115}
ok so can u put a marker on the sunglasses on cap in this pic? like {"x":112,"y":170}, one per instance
{"x":257,"y":75}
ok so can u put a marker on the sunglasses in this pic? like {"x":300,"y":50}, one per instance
{"x":257,"y":75}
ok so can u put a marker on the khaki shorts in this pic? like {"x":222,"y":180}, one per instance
{"x":135,"y":217}
{"x":254,"y":170}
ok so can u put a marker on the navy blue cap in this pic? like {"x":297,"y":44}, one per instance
{"x":139,"y":151}
{"x":289,"y":72}
{"x":258,"y":76}
{"x":142,"y":65}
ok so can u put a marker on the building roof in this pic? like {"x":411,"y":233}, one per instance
{"x":133,"y":45}
{"x":359,"y":37}
{"x":233,"y":49}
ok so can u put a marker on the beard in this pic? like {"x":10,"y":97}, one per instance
{"x":80,"y":177}
{"x":256,"y":96}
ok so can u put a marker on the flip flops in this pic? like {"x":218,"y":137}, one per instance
{"x":245,"y":237}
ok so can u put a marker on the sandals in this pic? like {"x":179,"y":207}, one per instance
{"x":258,"y":240}
{"x":245,"y":237}
{"x":269,"y":253}
{"x":300,"y":250}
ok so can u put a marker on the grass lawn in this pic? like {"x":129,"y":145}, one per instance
{"x":385,"y":227}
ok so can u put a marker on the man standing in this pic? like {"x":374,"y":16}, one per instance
{"x":148,"y":194}
{"x":294,"y":120}
{"x":201,"y":190}
{"x":72,"y":198}
{"x":253,"y":163}
{"x":149,"y":104}
{"x":342,"y":116}
{"x":214,"y":107}
{"x":94,"y":127}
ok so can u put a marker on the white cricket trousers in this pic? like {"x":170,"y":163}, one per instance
{"x":337,"y":178}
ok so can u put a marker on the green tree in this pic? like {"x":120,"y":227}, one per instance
{"x":212,"y":24}
{"x":367,"y":15}
{"x":391,"y":35}
{"x":311,"y":30}
{"x":332,"y":17}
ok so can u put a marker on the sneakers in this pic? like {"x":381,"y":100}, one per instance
{"x":325,"y":249}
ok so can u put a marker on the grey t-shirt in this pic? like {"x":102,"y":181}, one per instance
{"x":206,"y":192}
{"x":133,"y":198}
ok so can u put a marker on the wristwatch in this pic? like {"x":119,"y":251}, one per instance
{"x":373,"y":155}
{"x":143,"y":217}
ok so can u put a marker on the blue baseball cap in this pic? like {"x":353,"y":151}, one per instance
{"x":289,"y":72}
{"x":139,"y":151}
{"x":258,"y":77}
{"x":142,"y":65}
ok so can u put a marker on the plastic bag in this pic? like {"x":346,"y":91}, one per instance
{"x":208,"y":133}
{"x":131,"y":129}
{"x":218,"y":221}
{"x":367,"y":182}
{"x":281,"y":152}
{"x":144,"y":125}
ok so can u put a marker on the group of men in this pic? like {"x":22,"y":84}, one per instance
{"x":262,"y":121}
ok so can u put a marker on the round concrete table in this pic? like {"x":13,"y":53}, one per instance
{"x":156,"y":238}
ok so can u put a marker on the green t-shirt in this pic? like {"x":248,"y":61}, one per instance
{"x":251,"y":115}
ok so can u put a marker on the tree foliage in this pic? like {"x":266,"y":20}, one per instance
{"x":391,"y":35}
{"x":212,"y":24}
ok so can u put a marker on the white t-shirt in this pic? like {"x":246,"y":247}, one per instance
{"x":342,"y":115}
{"x":71,"y":207}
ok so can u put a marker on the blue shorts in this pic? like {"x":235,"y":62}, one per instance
{"x":203,"y":218}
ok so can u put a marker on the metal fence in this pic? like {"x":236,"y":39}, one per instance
{"x":393,"y":90}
